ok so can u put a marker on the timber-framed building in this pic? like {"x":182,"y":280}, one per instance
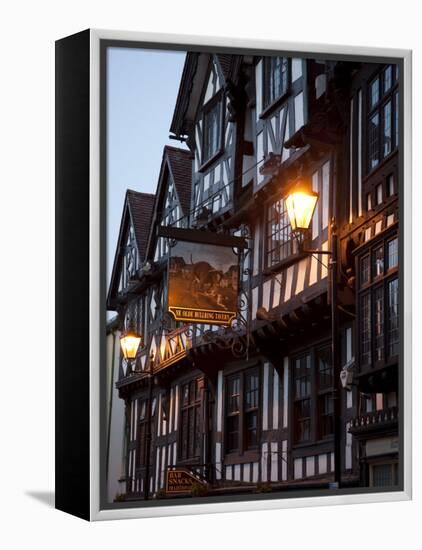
{"x":250,"y":408}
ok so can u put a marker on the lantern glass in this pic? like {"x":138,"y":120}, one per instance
{"x":300,"y":206}
{"x":130,"y":343}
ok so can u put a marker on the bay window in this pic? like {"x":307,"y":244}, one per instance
{"x":378,"y":303}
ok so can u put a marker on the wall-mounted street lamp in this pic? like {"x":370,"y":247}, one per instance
{"x":130,"y":342}
{"x":300,"y":203}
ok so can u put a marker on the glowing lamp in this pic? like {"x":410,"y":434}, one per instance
{"x":130,"y":342}
{"x":300,"y":204}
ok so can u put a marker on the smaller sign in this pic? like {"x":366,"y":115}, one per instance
{"x":180,"y":481}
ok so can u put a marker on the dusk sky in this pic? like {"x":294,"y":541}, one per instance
{"x":142,"y":89}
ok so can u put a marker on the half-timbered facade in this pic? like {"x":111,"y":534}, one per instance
{"x":250,"y":407}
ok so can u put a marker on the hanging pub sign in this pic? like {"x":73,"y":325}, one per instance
{"x":203,"y":283}
{"x":203,"y":278}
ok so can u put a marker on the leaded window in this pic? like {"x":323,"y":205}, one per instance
{"x":378,"y":303}
{"x":276,"y":70}
{"x":242,"y":401}
{"x":233,"y":413}
{"x":365,"y":270}
{"x":280,"y":241}
{"x":393,"y":317}
{"x":326,"y":412}
{"x":190,"y":421}
{"x":325,"y":392}
{"x":142,"y":433}
{"x":325,"y":368}
{"x":365,"y":320}
{"x":378,"y":258}
{"x":212,"y":128}
{"x":392,"y":253}
{"x":302,"y":399}
{"x":383,"y":115}
{"x":251,"y":409}
{"x":379,"y":322}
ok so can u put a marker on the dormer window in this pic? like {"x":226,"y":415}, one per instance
{"x":212,"y":128}
{"x":275,"y":79}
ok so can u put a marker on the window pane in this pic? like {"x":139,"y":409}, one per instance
{"x":197,"y":446}
{"x":251,"y":421}
{"x":326,"y":411}
{"x":251,"y":397}
{"x":378,"y":261}
{"x":393,"y":317}
{"x":366,"y":329}
{"x":365,"y":272}
{"x":378,"y":193}
{"x":185,"y":393}
{"x":279,"y":234}
{"x":303,"y":376}
{"x":233,"y":394}
{"x":390,"y":185}
{"x":373,"y":141}
{"x":276,"y":78}
{"x":369,"y":202}
{"x":386,"y":132}
{"x":184,"y":436}
{"x":325,"y":370}
{"x":374,"y":92}
{"x":379,"y":323}
{"x":302,"y":420}
{"x":388,"y":78}
{"x":396,"y":118}
{"x":232,"y":433}
{"x":393,"y":253}
{"x":212,"y":131}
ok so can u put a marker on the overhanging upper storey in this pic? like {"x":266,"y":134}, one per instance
{"x":209,"y":118}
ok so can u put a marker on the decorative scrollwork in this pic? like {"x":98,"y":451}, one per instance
{"x":188,"y":330}
{"x":167,"y":321}
{"x":245,"y":231}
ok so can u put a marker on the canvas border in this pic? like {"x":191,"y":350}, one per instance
{"x":97,"y":286}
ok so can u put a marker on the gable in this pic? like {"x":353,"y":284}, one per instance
{"x":131,"y":245}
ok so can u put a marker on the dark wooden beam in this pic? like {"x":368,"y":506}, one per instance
{"x":204,"y":237}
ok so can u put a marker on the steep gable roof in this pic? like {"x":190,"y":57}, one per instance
{"x":193,"y":80}
{"x":140,"y":206}
{"x":180,"y":163}
{"x":137,"y":210}
{"x":176,"y":163}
